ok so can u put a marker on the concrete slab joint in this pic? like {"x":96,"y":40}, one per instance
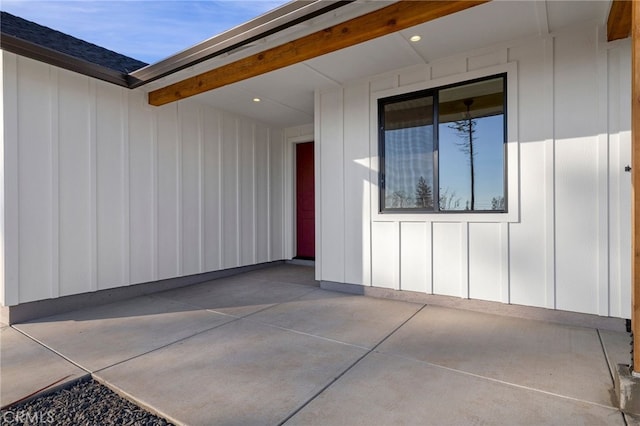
{"x":291,"y":353}
{"x":627,"y":387}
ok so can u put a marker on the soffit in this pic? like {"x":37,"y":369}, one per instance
{"x":566,"y":13}
{"x":287,"y":94}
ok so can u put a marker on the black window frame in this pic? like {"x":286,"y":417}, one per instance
{"x":434,"y":93}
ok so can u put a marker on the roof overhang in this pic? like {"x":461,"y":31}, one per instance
{"x":390,"y":19}
{"x":279,"y":19}
{"x":339,"y":27}
{"x":62,"y":60}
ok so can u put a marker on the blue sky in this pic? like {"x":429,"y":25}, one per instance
{"x":148,"y":30}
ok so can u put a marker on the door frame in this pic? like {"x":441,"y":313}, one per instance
{"x":294,"y":136}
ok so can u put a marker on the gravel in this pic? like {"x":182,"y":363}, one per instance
{"x":84,"y":403}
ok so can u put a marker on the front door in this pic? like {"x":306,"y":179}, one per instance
{"x":305,"y":202}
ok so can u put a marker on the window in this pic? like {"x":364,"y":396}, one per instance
{"x":443,"y":149}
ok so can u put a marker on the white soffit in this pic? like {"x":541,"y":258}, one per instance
{"x":566,"y":13}
{"x":272,"y":110}
{"x":475,"y":28}
{"x":290,"y":85}
{"x":287,"y":94}
{"x":370,"y":58}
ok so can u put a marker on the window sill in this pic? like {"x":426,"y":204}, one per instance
{"x":446,"y":217}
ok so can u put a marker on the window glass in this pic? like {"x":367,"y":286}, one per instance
{"x":471,"y":146}
{"x":447,"y":158}
{"x":408,"y":135}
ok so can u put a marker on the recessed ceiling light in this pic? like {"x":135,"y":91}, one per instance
{"x":256,"y":99}
{"x":415,"y":38}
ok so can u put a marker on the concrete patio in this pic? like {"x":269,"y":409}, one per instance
{"x":270,"y":347}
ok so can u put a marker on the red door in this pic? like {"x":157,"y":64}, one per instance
{"x":305,"y":201}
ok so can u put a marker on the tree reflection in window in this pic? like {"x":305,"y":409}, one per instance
{"x":471,"y":144}
{"x":409,"y":151}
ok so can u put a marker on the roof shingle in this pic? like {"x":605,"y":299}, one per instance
{"x":55,"y":40}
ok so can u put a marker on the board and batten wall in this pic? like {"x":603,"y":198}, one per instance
{"x":101,"y":190}
{"x":565,"y":243}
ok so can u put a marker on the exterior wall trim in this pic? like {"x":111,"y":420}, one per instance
{"x":495,"y":308}
{"x":44,"y":308}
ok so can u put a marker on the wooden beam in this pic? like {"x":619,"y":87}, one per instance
{"x":619,"y":20}
{"x":396,"y":17}
{"x":635,"y":183}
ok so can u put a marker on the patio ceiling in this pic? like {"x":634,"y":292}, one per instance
{"x":388,"y":20}
{"x":287,"y":94}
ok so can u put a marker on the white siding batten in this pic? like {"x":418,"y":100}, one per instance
{"x":34,"y":170}
{"x":55,"y":185}
{"x":10,"y":215}
{"x":331,"y":213}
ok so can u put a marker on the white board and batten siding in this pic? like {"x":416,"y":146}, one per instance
{"x":565,"y":243}
{"x":102,"y":190}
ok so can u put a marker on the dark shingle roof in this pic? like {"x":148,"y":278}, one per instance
{"x":64,"y":43}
